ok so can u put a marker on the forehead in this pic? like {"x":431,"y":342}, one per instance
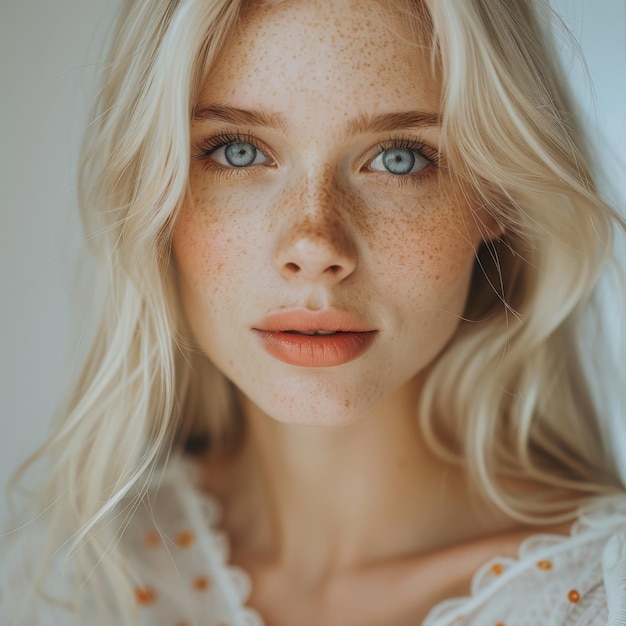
{"x":367,"y":51}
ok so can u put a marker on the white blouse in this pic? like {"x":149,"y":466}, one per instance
{"x":184,"y":579}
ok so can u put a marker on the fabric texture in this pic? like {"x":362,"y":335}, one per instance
{"x":183,"y":578}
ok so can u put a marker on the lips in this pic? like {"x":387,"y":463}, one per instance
{"x":307,"y":321}
{"x":307,"y":338}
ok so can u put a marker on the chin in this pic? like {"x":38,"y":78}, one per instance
{"x":325,"y":401}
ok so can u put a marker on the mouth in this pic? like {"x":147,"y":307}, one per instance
{"x":315,"y":338}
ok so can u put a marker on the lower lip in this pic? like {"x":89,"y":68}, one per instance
{"x":316,"y":350}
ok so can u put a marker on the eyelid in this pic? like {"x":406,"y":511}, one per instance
{"x":426,"y":151}
{"x":434,"y":159}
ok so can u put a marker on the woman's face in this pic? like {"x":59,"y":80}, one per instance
{"x":317,"y":188}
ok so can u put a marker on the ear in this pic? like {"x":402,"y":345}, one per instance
{"x":489,"y":222}
{"x":491,"y":227}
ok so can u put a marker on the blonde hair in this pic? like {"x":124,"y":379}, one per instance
{"x":508,"y":398}
{"x":522,"y":408}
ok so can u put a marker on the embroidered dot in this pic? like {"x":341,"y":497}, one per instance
{"x":201,"y":583}
{"x":497,"y":569}
{"x":182,"y":624}
{"x":145,"y":595}
{"x":500,"y":624}
{"x":544,"y":565}
{"x":152,"y":539}
{"x":573,"y":596}
{"x":185,"y":539}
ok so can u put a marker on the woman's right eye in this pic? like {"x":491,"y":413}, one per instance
{"x":237,"y":154}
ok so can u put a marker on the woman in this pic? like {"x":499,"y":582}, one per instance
{"x":346,"y":254}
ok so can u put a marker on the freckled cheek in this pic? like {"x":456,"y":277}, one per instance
{"x":195,"y":253}
{"x":209,"y":244}
{"x":427,"y":252}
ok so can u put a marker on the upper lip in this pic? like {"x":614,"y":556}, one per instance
{"x":328,"y":320}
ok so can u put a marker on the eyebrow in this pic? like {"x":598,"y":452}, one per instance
{"x":366,"y":123}
{"x":363,"y":123}
{"x":243,"y":117}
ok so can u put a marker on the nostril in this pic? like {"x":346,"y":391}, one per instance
{"x":334,"y":269}
{"x":292,"y":267}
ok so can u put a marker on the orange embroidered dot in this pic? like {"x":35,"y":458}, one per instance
{"x":152,"y":539}
{"x":145,"y":595}
{"x":500,"y":624}
{"x":185,"y":539}
{"x":573,"y":596}
{"x":497,"y":569}
{"x":201,"y":583}
{"x":545,"y":565}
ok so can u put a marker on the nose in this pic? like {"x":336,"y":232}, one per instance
{"x":316,"y":248}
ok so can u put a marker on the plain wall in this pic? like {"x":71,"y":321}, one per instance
{"x":48,"y":55}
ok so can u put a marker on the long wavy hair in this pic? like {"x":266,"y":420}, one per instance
{"x":509,"y":397}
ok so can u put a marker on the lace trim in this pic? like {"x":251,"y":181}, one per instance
{"x":236,"y":584}
{"x":595,"y":521}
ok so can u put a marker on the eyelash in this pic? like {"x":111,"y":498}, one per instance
{"x":406,"y":143}
{"x":211,"y":144}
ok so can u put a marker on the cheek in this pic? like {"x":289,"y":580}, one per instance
{"x":198,"y":248}
{"x":204,"y":249}
{"x":426,"y":246}
{"x":209,"y":237}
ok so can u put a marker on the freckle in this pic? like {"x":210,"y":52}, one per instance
{"x":347,"y":404}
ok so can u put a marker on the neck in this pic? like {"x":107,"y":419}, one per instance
{"x":341,"y":498}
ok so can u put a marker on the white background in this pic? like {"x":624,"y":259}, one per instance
{"x":49,"y":51}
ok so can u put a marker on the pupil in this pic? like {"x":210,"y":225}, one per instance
{"x":240,"y":154}
{"x":399,"y":161}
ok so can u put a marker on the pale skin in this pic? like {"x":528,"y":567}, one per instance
{"x":335,"y":505}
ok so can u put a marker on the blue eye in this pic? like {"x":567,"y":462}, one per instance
{"x":399,"y":161}
{"x":238,"y":154}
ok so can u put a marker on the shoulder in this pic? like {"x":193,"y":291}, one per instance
{"x":576,"y":580}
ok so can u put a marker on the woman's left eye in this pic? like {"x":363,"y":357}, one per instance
{"x":399,"y":161}
{"x":237,"y":154}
